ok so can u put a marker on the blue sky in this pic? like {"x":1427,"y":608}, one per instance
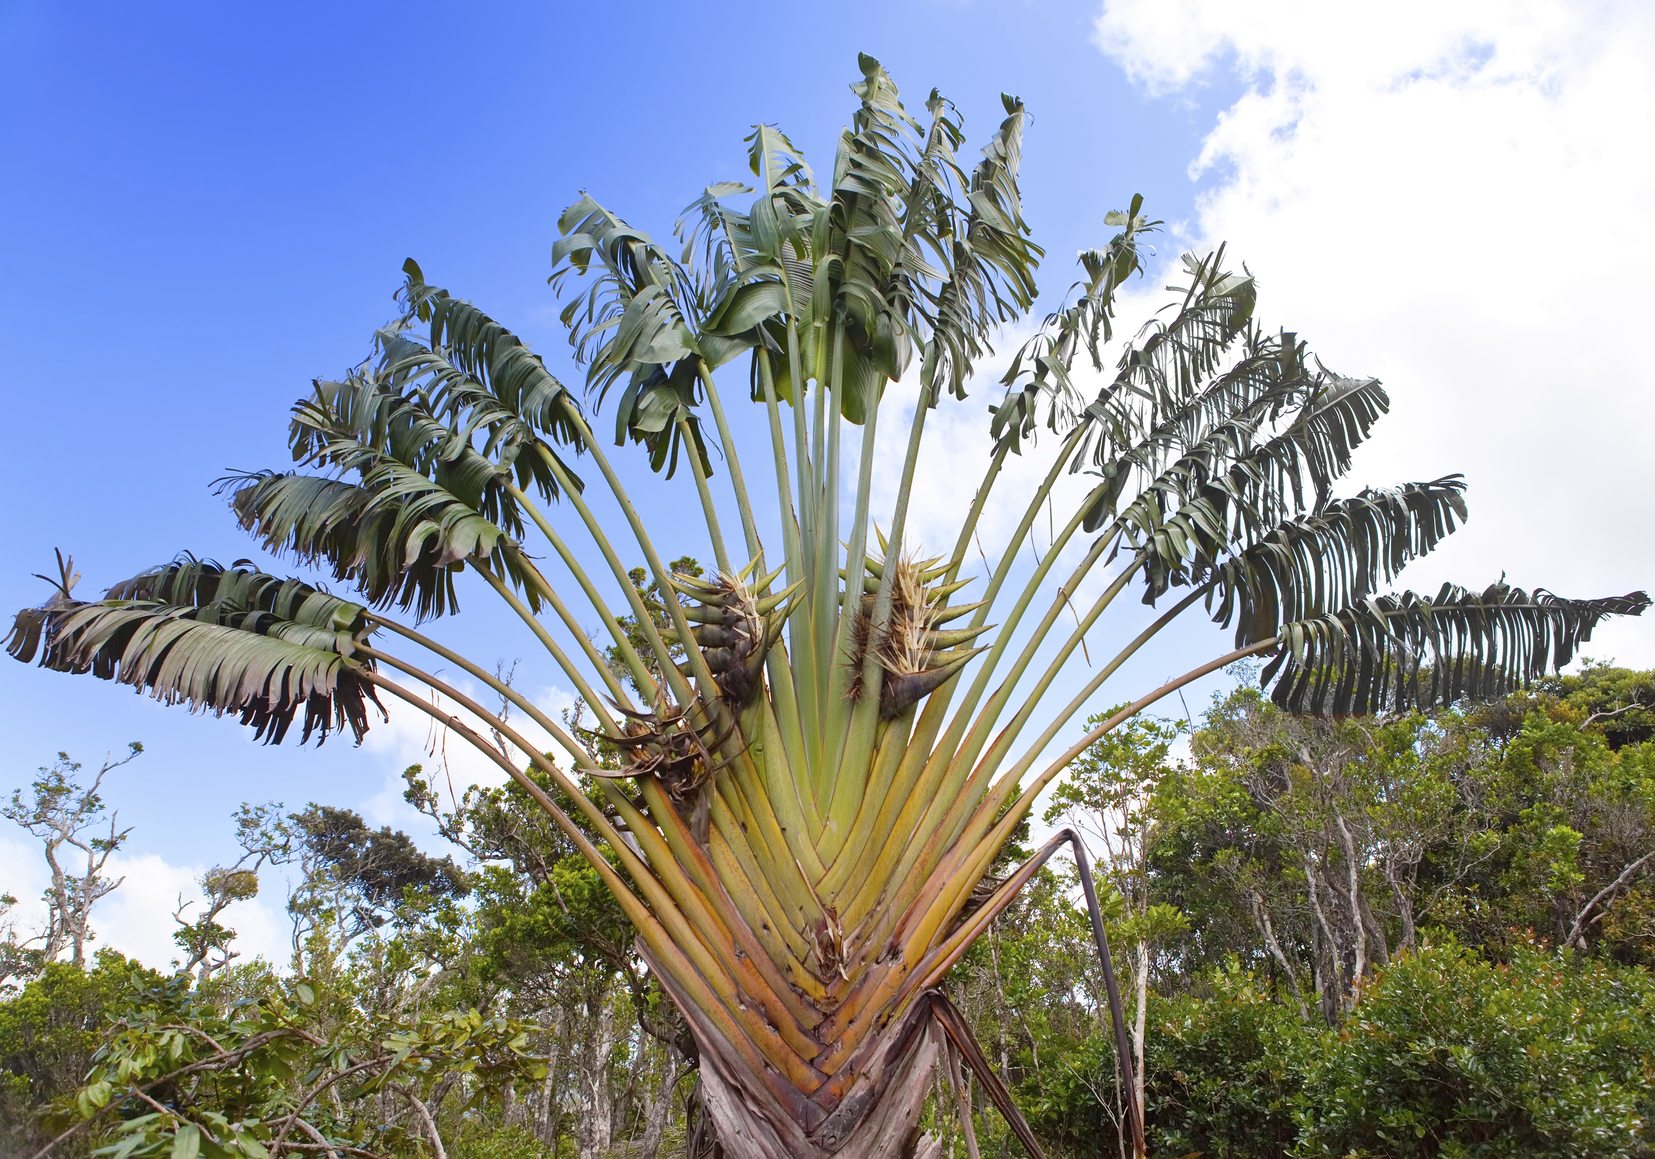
{"x":208,"y":205}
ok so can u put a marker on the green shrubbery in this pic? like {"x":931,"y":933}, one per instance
{"x":1446,"y":1053}
{"x":49,"y":1032}
{"x":1450,"y":1054}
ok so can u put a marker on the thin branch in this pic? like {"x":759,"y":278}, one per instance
{"x":1577,"y":932}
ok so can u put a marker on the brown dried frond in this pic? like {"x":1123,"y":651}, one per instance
{"x":915,"y":656}
{"x":734,"y":629}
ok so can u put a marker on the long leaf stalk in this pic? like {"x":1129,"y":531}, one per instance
{"x":796,"y":806}
{"x":732,"y":456}
{"x":688,"y":926}
{"x":583,"y":688}
{"x":634,"y":663}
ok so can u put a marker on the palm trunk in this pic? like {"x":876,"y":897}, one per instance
{"x":881,"y":1092}
{"x":877,"y":1119}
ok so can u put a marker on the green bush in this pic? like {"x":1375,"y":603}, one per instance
{"x":1446,"y":1054}
{"x":1449,"y":1054}
{"x":492,"y":1141}
{"x":1223,"y":1072}
{"x":49,"y":1032}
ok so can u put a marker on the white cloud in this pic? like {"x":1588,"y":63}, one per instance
{"x":411,"y":737}
{"x":1457,"y":199}
{"x":136,"y":919}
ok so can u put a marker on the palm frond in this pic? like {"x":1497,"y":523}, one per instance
{"x":395,"y":536}
{"x":633,"y":322}
{"x":1328,"y":560}
{"x":1039,"y":375}
{"x":859,"y":245}
{"x":1395,"y":652}
{"x":1171,"y":359}
{"x":991,"y":268}
{"x":423,"y":503}
{"x":221,"y":640}
{"x":483,"y":382}
{"x":1215,"y":500}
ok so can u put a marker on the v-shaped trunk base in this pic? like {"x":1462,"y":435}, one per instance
{"x":877,"y":1119}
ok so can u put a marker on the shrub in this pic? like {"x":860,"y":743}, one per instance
{"x":1450,"y":1054}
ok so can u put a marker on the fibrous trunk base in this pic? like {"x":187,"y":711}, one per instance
{"x":878,"y":1119}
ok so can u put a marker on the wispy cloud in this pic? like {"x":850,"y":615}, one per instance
{"x":1456,"y":198}
{"x":137,"y":918}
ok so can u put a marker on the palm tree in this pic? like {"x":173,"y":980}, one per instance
{"x":823,"y":747}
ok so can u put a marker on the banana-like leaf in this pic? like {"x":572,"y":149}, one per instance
{"x":397,"y":537}
{"x":1199,"y":439}
{"x":992,"y":265}
{"x":480,"y":379}
{"x":222,"y":640}
{"x":859,"y":247}
{"x":423,"y":504}
{"x":1210,"y":503}
{"x":1171,"y":360}
{"x":1394,"y":652}
{"x":633,"y":323}
{"x":1270,"y":378}
{"x":708,"y":227}
{"x":1039,"y":374}
{"x":360,"y":424}
{"x":1318,"y":563}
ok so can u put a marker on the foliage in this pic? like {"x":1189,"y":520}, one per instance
{"x":186,"y":1074}
{"x":1620,"y":702}
{"x":1224,"y":1070}
{"x":1317,"y":850}
{"x":1445,"y":1053}
{"x":1450,"y":1054}
{"x":49,"y":1032}
{"x":1443,"y":1045}
{"x":1497,"y":823}
{"x":357,"y":874}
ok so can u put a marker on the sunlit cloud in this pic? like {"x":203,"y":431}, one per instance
{"x":1455,"y":198}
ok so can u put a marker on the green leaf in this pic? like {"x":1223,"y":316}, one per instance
{"x":1400,"y":651}
{"x":222,"y":640}
{"x":186,"y":1144}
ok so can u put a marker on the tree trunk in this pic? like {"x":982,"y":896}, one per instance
{"x":1140,"y":1020}
{"x":877,"y":1119}
{"x":656,"y":1113}
{"x":595,"y":1131}
{"x":546,"y":1116}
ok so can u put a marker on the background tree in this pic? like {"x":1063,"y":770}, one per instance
{"x":51,"y":1030}
{"x":353,"y":877}
{"x":1106,"y":794}
{"x":1470,"y":988}
{"x":67,"y":818}
{"x":808,"y":805}
{"x":264,"y":838}
{"x":548,"y":932}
